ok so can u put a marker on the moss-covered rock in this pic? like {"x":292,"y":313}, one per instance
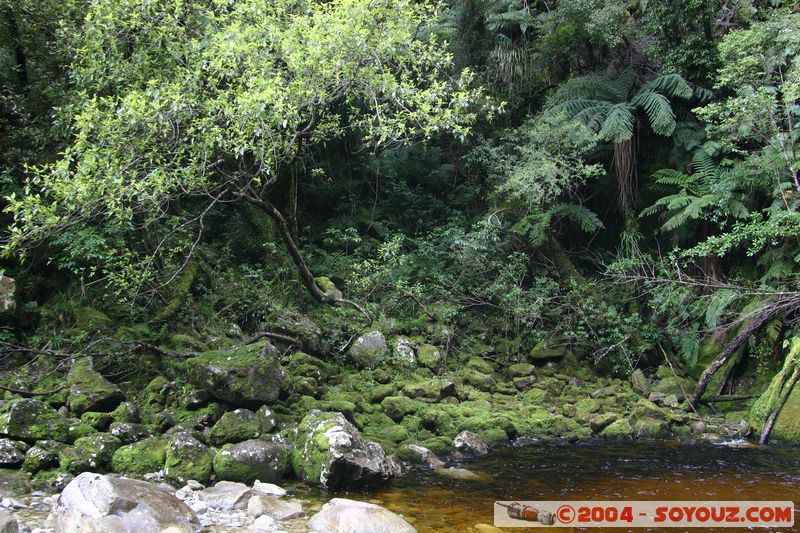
{"x":398,"y":407}
{"x":479,"y":380}
{"x":125,"y":412}
{"x":377,"y":393}
{"x":31,"y":420}
{"x":90,"y":319}
{"x":430,"y":356}
{"x":548,"y":349}
{"x":89,"y":454}
{"x":188,"y":458}
{"x":437,"y":421}
{"x":99,"y":421}
{"x":481,"y":365}
{"x":330,"y":452}
{"x":429,"y":388}
{"x":248,"y":376}
{"x":521,"y":370}
{"x":43,"y":455}
{"x":369,"y":350}
{"x":250,"y":460}
{"x":140,"y":458}
{"x":650,"y":428}
{"x":89,"y":390}
{"x":128,"y":433}
{"x":618,"y":430}
{"x":235,"y":426}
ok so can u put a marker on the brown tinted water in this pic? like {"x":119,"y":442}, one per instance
{"x":594,"y":472}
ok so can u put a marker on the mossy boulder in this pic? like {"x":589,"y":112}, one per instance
{"x":140,"y":458}
{"x":521,"y":370}
{"x":328,"y":288}
{"x":12,"y":453}
{"x":481,"y":365}
{"x":187,"y":458}
{"x":676,"y":385}
{"x":618,"y":430}
{"x":639,"y":382}
{"x":548,"y":350}
{"x":398,"y":407}
{"x":369,"y":350}
{"x":404,"y":352}
{"x":43,"y":455}
{"x":650,"y":428}
{"x":153,"y":400}
{"x":330,"y":452}
{"x":31,"y":420}
{"x":89,"y":454}
{"x":99,"y":421}
{"x":787,"y":424}
{"x":599,"y":422}
{"x":266,"y":418}
{"x":437,"y":421}
{"x":586,"y":406}
{"x":252,"y":460}
{"x":479,"y":380}
{"x":90,"y":319}
{"x":377,"y":393}
{"x":89,"y":390}
{"x":429,"y":388}
{"x":235,"y":426}
{"x":248,"y":376}
{"x":128,"y":432}
{"x":430,"y":356}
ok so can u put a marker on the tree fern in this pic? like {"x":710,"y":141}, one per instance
{"x":586,"y":219}
{"x":658,"y":110}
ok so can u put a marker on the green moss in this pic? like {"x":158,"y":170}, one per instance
{"x":377,"y":393}
{"x":90,"y":319}
{"x":787,"y":424}
{"x":187,"y":458}
{"x":430,"y":356}
{"x":481,"y":365}
{"x":89,"y":390}
{"x":438,"y":421}
{"x":397,"y":407}
{"x":395,"y":434}
{"x":235,"y":426}
{"x":438,"y":445}
{"x":140,"y":458}
{"x":99,"y":421}
{"x":180,"y":293}
{"x":310,"y":451}
{"x":93,"y":454}
{"x":30,"y":420}
{"x":430,"y":389}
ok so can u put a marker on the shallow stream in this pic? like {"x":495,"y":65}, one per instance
{"x":637,"y":471}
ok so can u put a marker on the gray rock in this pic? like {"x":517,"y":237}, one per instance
{"x":264,"y":523}
{"x":274,"y":507}
{"x":269,"y":489}
{"x":267,"y":419}
{"x":470,"y":443}
{"x":639,"y":382}
{"x":42,"y":455}
{"x":458,"y":473}
{"x":340,"y":515}
{"x":10,"y":453}
{"x":128,"y":432}
{"x":252,"y":460}
{"x":426,"y":455}
{"x":93,"y":503}
{"x":188,"y":458}
{"x":8,"y":524}
{"x":330,"y":452}
{"x":404,"y":351}
{"x":226,"y":495}
{"x":369,"y":349}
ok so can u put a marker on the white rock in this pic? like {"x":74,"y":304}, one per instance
{"x":93,"y":503}
{"x":277,"y":508}
{"x":226,"y":495}
{"x":342,"y":515}
{"x":198,"y":506}
{"x":269,"y":489}
{"x":264,"y":523}
{"x":471,"y":443}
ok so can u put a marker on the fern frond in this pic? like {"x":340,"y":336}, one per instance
{"x":586,"y":219}
{"x":669,"y":176}
{"x":589,"y":87}
{"x":658,"y":111}
{"x":704,"y":167}
{"x":618,"y":125}
{"x":670,"y":84}
{"x":720,"y":301}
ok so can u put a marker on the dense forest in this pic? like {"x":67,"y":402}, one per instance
{"x":367,"y":199}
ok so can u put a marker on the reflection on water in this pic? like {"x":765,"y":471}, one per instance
{"x":595,"y":471}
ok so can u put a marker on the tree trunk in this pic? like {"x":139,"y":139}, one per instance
{"x":306,"y":277}
{"x":19,"y":51}
{"x":726,"y":354}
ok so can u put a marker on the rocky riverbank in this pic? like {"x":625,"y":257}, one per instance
{"x":269,"y":413}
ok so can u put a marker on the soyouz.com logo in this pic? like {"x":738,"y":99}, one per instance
{"x":658,"y":514}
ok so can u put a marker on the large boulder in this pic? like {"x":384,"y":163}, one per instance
{"x":470,"y":443}
{"x":89,"y":390}
{"x":31,"y":420}
{"x":369,"y":349}
{"x":430,"y":356}
{"x":188,"y":458}
{"x":235,"y":426}
{"x":248,"y":376}
{"x":340,"y":514}
{"x":140,"y":458}
{"x":11,"y":453}
{"x":252,"y":460}
{"x":91,"y":453}
{"x":93,"y":503}
{"x":330,"y":452}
